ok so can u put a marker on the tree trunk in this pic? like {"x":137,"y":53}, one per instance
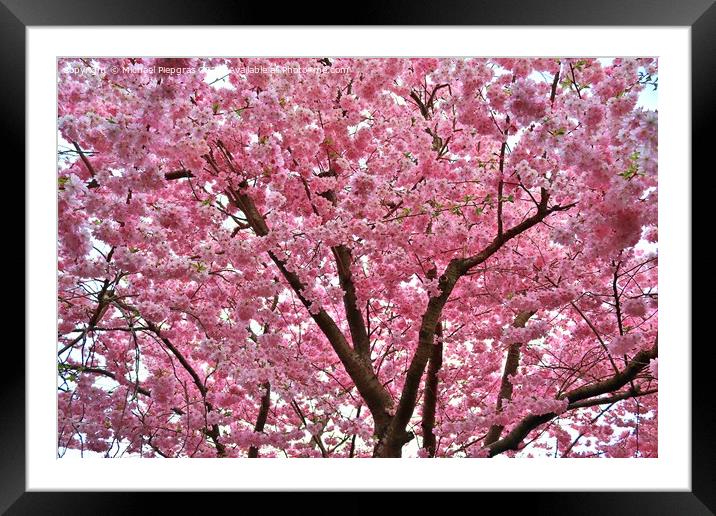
{"x":391,"y":446}
{"x":430,"y":396}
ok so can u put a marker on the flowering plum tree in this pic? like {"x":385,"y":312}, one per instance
{"x":357,"y":257}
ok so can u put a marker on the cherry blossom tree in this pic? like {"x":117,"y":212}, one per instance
{"x":357,"y":257}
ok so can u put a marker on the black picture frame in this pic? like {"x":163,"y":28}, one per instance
{"x":700,"y":15}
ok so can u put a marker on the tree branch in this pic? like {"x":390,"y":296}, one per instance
{"x":496,"y":244}
{"x":93,"y":183}
{"x":512,"y":440}
{"x":511,"y":364}
{"x":430,"y":396}
{"x":358,"y":368}
{"x":178,"y":174}
{"x":396,"y":436}
{"x":109,"y":374}
{"x":261,"y":419}
{"x":356,"y":324}
{"x":103,"y":300}
{"x":212,"y":431}
{"x":344,"y":260}
{"x":611,"y":399}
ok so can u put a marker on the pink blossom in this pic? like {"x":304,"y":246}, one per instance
{"x":282,"y":264}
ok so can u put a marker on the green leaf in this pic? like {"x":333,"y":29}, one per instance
{"x":198,"y":266}
{"x":633,"y":168}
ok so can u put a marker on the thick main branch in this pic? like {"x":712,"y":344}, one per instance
{"x":262,"y":417}
{"x":577,"y":399}
{"x":396,"y":436}
{"x":511,"y":364}
{"x":358,"y":368}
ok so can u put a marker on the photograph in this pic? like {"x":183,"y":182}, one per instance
{"x":357,"y":257}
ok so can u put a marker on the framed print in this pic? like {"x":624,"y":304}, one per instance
{"x":425,"y":248}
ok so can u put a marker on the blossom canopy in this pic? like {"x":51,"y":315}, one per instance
{"x":326,"y":257}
